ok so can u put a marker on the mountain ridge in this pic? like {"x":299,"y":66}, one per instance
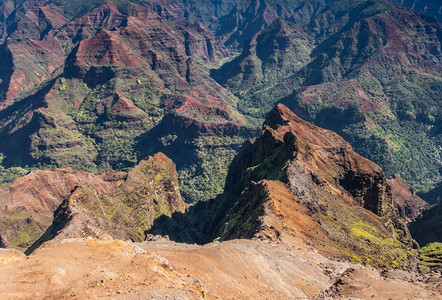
{"x":104,"y":88}
{"x":361,"y":74}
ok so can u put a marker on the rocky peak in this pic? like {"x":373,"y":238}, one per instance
{"x":311,"y":145}
{"x":320,"y":172}
{"x":282,"y":120}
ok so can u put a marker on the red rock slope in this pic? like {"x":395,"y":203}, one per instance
{"x":312,"y":186}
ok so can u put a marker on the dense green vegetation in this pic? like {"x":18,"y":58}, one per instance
{"x":390,"y":112}
{"x":331,"y":71}
{"x":7,"y":175}
{"x":407,"y":134}
{"x":207,"y":179}
{"x":430,"y":256}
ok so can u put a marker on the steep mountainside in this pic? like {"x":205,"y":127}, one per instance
{"x":249,"y":17}
{"x":369,"y":70}
{"x":326,"y":180}
{"x":192,"y":11}
{"x":95,"y":91}
{"x":408,"y":205}
{"x":298,"y":182}
{"x":428,"y":227}
{"x":426,"y":230}
{"x":91,"y":88}
{"x":434,"y":195}
{"x":125,"y":124}
{"x":275,"y":53}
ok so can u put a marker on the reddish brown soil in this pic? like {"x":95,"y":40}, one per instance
{"x":239,"y":269}
{"x":29,"y":203}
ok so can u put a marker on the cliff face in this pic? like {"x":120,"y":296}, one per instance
{"x":150,"y":191}
{"x":408,"y":205}
{"x":317,"y":189}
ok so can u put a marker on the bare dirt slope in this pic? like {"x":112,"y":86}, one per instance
{"x":237,"y":269}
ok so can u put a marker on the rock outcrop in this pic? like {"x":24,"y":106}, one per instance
{"x":313,"y":186}
{"x":79,"y":203}
{"x":29,"y":203}
{"x":150,"y":191}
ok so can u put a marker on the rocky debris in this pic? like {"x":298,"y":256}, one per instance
{"x":237,"y":269}
{"x":154,"y":238}
{"x":408,"y":205}
{"x":149,"y":191}
{"x":364,"y":283}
